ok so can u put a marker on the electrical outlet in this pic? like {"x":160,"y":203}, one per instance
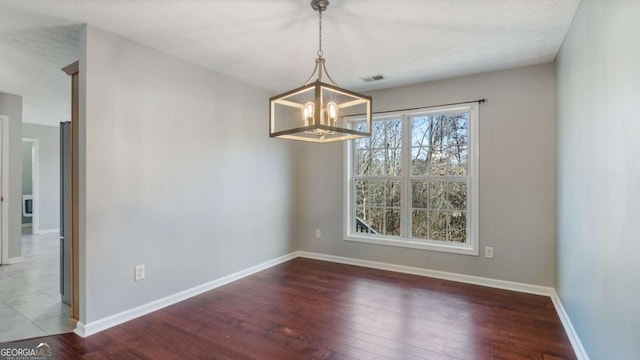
{"x":318,"y":234}
{"x":488,"y":252}
{"x":138,"y":273}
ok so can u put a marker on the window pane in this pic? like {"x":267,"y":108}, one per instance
{"x":420,"y":145}
{"x":419,"y":163}
{"x":440,"y":144}
{"x":437,"y":225}
{"x":458,"y":160}
{"x":445,"y":204}
{"x":393,"y":194}
{"x":361,"y":143}
{"x":394,"y":161}
{"x":440,"y":129}
{"x":419,"y":224}
{"x":392,"y":222}
{"x":378,"y":206}
{"x":362,"y":220}
{"x":378,"y":135}
{"x":376,"y":193}
{"x":437,"y":199}
{"x":393,"y":146}
{"x":420,"y":194}
{"x":458,"y":128}
{"x":457,"y":195}
{"x":362,"y":162}
{"x":381,"y":154}
{"x":377,"y":167}
{"x":362,"y":191}
{"x":458,"y":226}
{"x":393,"y":130}
{"x":420,"y":131}
{"x":376,"y":219}
{"x":437,"y":160}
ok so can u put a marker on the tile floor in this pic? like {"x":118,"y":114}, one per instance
{"x":30,"y":303}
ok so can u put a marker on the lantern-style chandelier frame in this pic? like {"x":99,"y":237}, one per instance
{"x":318,"y":111}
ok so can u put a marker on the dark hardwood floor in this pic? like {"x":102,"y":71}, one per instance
{"x":309,"y":309}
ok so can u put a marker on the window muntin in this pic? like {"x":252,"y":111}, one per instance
{"x":412,"y":183}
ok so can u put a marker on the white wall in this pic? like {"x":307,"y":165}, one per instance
{"x":517,"y":179}
{"x":11,"y":105}
{"x":598,"y":87}
{"x":180,"y":176}
{"x":48,"y":172}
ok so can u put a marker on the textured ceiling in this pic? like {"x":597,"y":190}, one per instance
{"x":272,"y":43}
{"x":30,"y":65}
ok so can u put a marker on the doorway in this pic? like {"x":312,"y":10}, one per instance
{"x":31,"y":302}
{"x":44,"y":100}
{"x":30,"y":187}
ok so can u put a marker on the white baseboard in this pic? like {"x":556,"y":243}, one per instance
{"x":469,"y":279}
{"x":15,"y":260}
{"x":47,"y":231}
{"x":80,"y":329}
{"x":578,"y":348}
{"x":94,"y":327}
{"x":476,"y":280}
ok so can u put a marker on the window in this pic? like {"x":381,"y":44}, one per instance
{"x":414,"y":182}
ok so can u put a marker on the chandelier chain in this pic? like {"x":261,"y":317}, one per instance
{"x":320,"y":52}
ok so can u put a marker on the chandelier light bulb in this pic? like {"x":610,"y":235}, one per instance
{"x":307,"y":113}
{"x":332,"y":113}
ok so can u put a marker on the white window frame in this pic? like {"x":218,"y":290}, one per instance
{"x":471,"y":247}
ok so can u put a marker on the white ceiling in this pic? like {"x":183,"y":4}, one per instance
{"x":272,"y":43}
{"x":30,"y":65}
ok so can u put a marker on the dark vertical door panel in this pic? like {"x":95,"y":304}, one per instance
{"x":65,"y":212}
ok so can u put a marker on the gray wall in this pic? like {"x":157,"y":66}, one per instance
{"x":11,"y":105}
{"x":27,"y":175}
{"x":180,"y":176}
{"x":517,"y":179}
{"x":49,"y":173}
{"x":598,"y":87}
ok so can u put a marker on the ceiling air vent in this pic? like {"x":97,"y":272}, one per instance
{"x":373,"y":78}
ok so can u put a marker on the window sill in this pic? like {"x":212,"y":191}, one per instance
{"x":465,"y":249}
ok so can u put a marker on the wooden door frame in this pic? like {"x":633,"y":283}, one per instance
{"x":73,"y":71}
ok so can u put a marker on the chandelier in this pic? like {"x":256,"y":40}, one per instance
{"x":318,"y":111}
